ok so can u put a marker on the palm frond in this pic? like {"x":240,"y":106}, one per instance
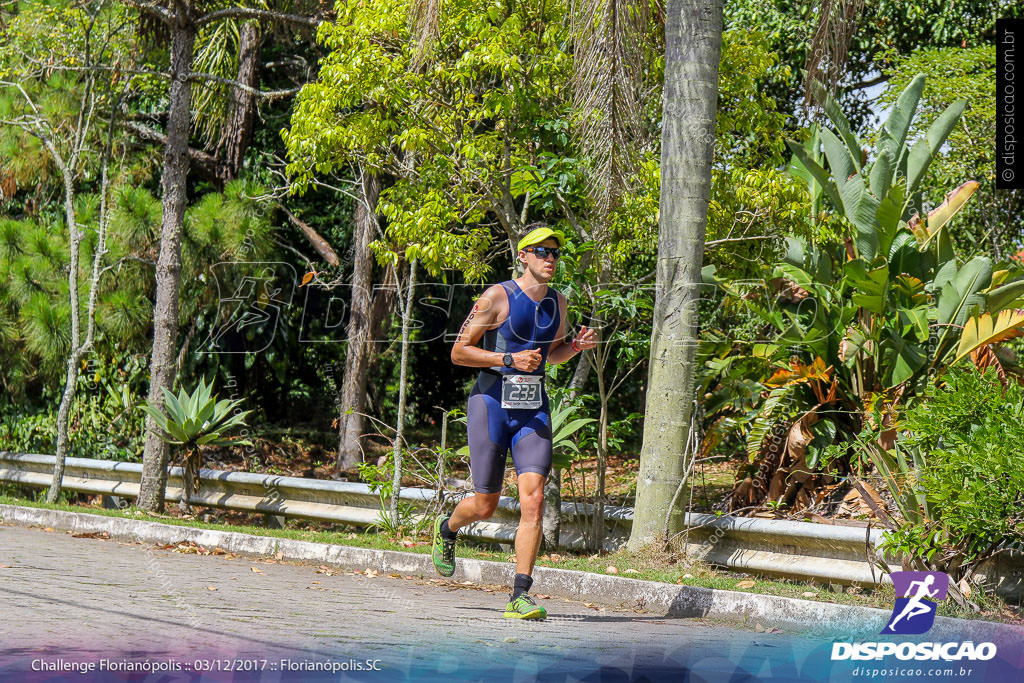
{"x":607,"y":85}
{"x":830,"y":43}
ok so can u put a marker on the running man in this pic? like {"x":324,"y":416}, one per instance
{"x":514,"y":328}
{"x":914,"y":606}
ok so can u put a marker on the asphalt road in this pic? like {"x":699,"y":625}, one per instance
{"x":70,"y":602}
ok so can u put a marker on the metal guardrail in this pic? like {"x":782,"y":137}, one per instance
{"x":799,"y":550}
{"x":316,"y":499}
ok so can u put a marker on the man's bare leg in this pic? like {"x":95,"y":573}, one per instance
{"x":530,"y":532}
{"x":473,"y":509}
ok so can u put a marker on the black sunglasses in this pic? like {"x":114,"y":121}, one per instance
{"x":543,"y":252}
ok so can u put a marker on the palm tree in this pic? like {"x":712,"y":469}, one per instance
{"x":693,"y":43}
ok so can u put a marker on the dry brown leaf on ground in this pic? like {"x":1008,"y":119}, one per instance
{"x":257,"y":571}
{"x":745,"y":584}
{"x":90,"y":534}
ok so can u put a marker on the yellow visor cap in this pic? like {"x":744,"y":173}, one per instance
{"x":539,"y":235}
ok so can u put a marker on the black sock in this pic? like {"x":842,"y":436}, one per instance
{"x":521,"y":585}
{"x":446,"y":533}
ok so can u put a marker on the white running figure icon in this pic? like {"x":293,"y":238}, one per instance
{"x":914,"y":607}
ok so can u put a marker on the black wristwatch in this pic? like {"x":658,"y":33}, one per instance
{"x":507,"y":360}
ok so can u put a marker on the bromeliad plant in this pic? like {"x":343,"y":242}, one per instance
{"x":851,"y":331}
{"x":193,"y":420}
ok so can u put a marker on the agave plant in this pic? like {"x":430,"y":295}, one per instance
{"x":193,"y":420}
{"x":855,"y":329}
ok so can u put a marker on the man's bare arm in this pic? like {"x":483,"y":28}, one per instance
{"x":488,"y":313}
{"x":560,"y":351}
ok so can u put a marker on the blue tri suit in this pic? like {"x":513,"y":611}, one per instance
{"x":494,"y":430}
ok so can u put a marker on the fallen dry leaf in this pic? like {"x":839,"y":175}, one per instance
{"x":279,"y":555}
{"x":808,"y":594}
{"x":467,"y":583}
{"x":211,"y":588}
{"x":541,"y":596}
{"x":759,"y":628}
{"x":258,"y":571}
{"x":49,"y":528}
{"x":612,"y":569}
{"x":314,"y":582}
{"x":631,"y":571}
{"x":745,"y":584}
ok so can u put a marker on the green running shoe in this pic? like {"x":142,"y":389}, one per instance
{"x":443,"y":551}
{"x":523,"y":607}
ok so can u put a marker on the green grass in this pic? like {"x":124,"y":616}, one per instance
{"x":648,"y":564}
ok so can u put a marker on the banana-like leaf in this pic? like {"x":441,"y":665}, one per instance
{"x":924,"y":231}
{"x":838,"y":118}
{"x":983,"y":329}
{"x":817,"y":172}
{"x":887,"y":217}
{"x":1003,"y":297}
{"x":893,"y":135}
{"x":944,"y":275}
{"x":924,"y":150}
{"x":839,"y":160}
{"x":880,"y":176}
{"x":860,"y":208}
{"x":903,"y":358}
{"x":975,"y":276}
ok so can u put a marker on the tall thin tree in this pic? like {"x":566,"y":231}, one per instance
{"x":693,"y":43}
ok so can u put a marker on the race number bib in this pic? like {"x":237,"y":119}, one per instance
{"x":521,"y":391}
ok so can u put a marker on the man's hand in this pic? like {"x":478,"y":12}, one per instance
{"x":586,"y":339}
{"x":527,"y":361}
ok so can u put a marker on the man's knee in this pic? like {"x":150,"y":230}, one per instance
{"x":486,"y":504}
{"x":531,"y":505}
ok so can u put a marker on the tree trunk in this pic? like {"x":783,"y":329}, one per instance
{"x":361,"y":329}
{"x":71,"y":380}
{"x":168,"y":267}
{"x":693,"y":41}
{"x":396,"y":482}
{"x":237,"y":132}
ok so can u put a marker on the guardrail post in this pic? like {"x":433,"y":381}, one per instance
{"x":273,"y":521}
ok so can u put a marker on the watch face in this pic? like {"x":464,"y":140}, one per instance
{"x":507,"y":360}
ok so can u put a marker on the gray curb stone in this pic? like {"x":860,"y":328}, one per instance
{"x":844,"y":621}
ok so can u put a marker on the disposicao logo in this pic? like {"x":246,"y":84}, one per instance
{"x":914,"y":612}
{"x":917,"y":594}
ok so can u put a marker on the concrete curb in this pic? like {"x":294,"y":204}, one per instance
{"x":661,"y":598}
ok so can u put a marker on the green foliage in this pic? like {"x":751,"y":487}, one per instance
{"x":965,"y":439}
{"x":456,"y":135}
{"x":197,"y":418}
{"x":987,"y":225}
{"x":563,"y":427}
{"x":381,"y":481}
{"x":875,"y":320}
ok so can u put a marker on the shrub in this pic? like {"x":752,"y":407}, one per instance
{"x":966,"y":437}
